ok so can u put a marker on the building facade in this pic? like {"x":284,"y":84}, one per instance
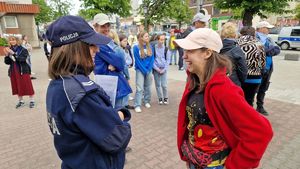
{"x":17,"y":18}
{"x":218,"y":17}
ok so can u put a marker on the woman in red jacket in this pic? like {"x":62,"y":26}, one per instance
{"x":216,"y":126}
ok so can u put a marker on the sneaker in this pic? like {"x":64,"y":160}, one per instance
{"x":262,"y":111}
{"x":20,"y":104}
{"x":166,"y":101}
{"x":130,"y":98}
{"x":182,"y":68}
{"x":31,"y":104}
{"x":138,"y":109}
{"x":147,"y":105}
{"x":160,"y":101}
{"x":129,"y":107}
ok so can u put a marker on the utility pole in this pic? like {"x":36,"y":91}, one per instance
{"x":200,"y":6}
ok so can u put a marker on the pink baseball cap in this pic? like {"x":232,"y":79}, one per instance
{"x":201,"y":38}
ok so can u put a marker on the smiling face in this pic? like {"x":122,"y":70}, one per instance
{"x":103,"y":29}
{"x":196,"y":60}
{"x":12,"y":41}
{"x":264,"y":30}
{"x":199,"y":24}
{"x":145,"y":38}
{"x":124,"y":42}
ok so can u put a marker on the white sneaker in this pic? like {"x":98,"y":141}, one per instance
{"x":148,"y":105}
{"x":130,"y":98}
{"x":160,"y":101}
{"x":138,"y":109}
{"x":166,"y":101}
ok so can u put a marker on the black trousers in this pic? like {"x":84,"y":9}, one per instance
{"x":264,"y":86}
{"x":180,"y":59}
{"x":250,"y":89}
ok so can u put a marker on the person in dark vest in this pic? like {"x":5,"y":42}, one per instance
{"x":88,"y":132}
{"x":271,"y":49}
{"x":234,"y":52}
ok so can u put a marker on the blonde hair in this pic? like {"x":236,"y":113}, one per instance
{"x":229,"y":30}
{"x":141,"y":46}
{"x":19,"y":41}
{"x":114,"y":36}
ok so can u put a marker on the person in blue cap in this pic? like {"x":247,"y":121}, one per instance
{"x":88,"y":132}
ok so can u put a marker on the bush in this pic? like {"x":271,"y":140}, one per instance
{"x":3,"y":42}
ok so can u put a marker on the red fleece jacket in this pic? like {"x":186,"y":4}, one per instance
{"x":245,"y":131}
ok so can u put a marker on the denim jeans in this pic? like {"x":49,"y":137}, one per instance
{"x":217,"y":167}
{"x":121,"y":102}
{"x":173,"y":53}
{"x":143,"y":86}
{"x":161,"y":84}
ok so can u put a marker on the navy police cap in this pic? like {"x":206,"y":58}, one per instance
{"x":69,"y":29}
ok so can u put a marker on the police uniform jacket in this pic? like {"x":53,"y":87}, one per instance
{"x":88,"y":132}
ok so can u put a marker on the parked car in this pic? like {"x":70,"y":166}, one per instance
{"x":274,"y":33}
{"x":289,"y":37}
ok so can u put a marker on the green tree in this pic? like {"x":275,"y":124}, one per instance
{"x":92,"y":7}
{"x":45,"y":14}
{"x":158,"y":10}
{"x":252,"y":7}
{"x":297,"y":11}
{"x":181,"y":12}
{"x":60,"y":8}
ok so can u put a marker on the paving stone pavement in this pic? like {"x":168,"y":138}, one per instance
{"x":26,"y":142}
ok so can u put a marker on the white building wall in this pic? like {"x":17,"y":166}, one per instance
{"x":17,"y":1}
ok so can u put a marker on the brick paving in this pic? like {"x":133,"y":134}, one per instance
{"x":26,"y":142}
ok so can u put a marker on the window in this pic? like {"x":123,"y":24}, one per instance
{"x":295,"y":32}
{"x":274,"y":30}
{"x":10,"y":22}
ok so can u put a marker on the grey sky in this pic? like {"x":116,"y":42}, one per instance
{"x":76,"y":7}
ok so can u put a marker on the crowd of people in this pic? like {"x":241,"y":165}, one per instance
{"x":217,"y":124}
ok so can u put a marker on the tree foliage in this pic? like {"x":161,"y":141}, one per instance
{"x":60,"y":8}
{"x":92,"y":7}
{"x":254,"y":7}
{"x":181,"y":12}
{"x":297,"y":11}
{"x":158,"y":10}
{"x":51,"y":11}
{"x":45,"y":12}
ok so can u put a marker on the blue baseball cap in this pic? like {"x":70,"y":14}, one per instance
{"x":69,"y":29}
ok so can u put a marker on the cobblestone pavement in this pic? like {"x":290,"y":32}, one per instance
{"x":26,"y":142}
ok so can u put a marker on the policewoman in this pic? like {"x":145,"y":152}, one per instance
{"x":88,"y":132}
